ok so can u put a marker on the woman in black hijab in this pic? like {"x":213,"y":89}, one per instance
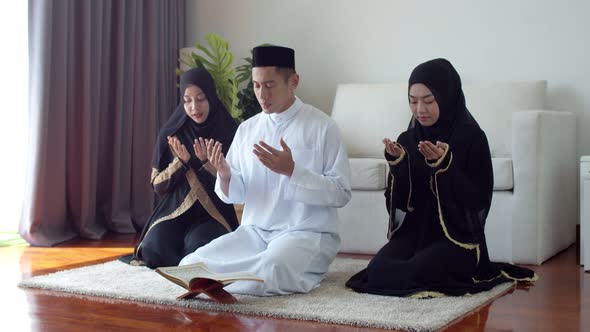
{"x":190,"y":214}
{"x":441,"y":176}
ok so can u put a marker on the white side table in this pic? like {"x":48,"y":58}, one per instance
{"x":585,"y":212}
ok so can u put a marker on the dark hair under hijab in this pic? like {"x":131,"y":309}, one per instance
{"x":219,"y":124}
{"x":441,"y":78}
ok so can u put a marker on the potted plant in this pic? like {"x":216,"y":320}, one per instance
{"x":247,"y":102}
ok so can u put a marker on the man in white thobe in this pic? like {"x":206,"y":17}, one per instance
{"x":289,"y":168}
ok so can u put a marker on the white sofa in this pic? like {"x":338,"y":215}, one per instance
{"x":533,"y":213}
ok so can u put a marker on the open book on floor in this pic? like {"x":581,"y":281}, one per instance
{"x":197,"y":279}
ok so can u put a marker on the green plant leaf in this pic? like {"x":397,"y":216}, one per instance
{"x":204,"y":50}
{"x":203,"y":61}
{"x":187,"y":60}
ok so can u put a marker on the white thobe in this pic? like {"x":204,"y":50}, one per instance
{"x":289,"y":230}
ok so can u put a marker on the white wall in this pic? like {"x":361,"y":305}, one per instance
{"x":381,"y":41}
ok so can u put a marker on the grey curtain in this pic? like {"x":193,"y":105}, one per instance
{"x":102,"y":82}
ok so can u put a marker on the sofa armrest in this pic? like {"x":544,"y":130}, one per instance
{"x":545,"y":205}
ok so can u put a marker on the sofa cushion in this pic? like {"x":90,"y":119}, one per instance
{"x":493,"y":103}
{"x":367,"y":113}
{"x":503,"y":179}
{"x":368,"y":173}
{"x":371,"y":173}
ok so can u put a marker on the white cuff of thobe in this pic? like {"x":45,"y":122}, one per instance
{"x":301,"y":177}
{"x":235,"y":190}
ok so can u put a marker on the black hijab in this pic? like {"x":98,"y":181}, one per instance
{"x":455,"y":126}
{"x":463,"y":189}
{"x":219,"y":124}
{"x":444,"y":82}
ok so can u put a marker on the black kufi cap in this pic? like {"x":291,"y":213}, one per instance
{"x":273,"y":56}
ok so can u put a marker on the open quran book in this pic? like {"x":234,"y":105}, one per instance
{"x":197,"y":279}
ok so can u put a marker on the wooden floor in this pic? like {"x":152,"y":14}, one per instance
{"x":559,"y":301}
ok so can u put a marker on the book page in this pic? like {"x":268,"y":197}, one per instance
{"x":199,"y":270}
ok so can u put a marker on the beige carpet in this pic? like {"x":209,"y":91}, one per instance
{"x":331,"y":302}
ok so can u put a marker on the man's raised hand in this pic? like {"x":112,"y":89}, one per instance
{"x":280,"y":162}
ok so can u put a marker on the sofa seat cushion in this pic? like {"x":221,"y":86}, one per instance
{"x":368,"y":173}
{"x":503,"y":179}
{"x":371,"y":173}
